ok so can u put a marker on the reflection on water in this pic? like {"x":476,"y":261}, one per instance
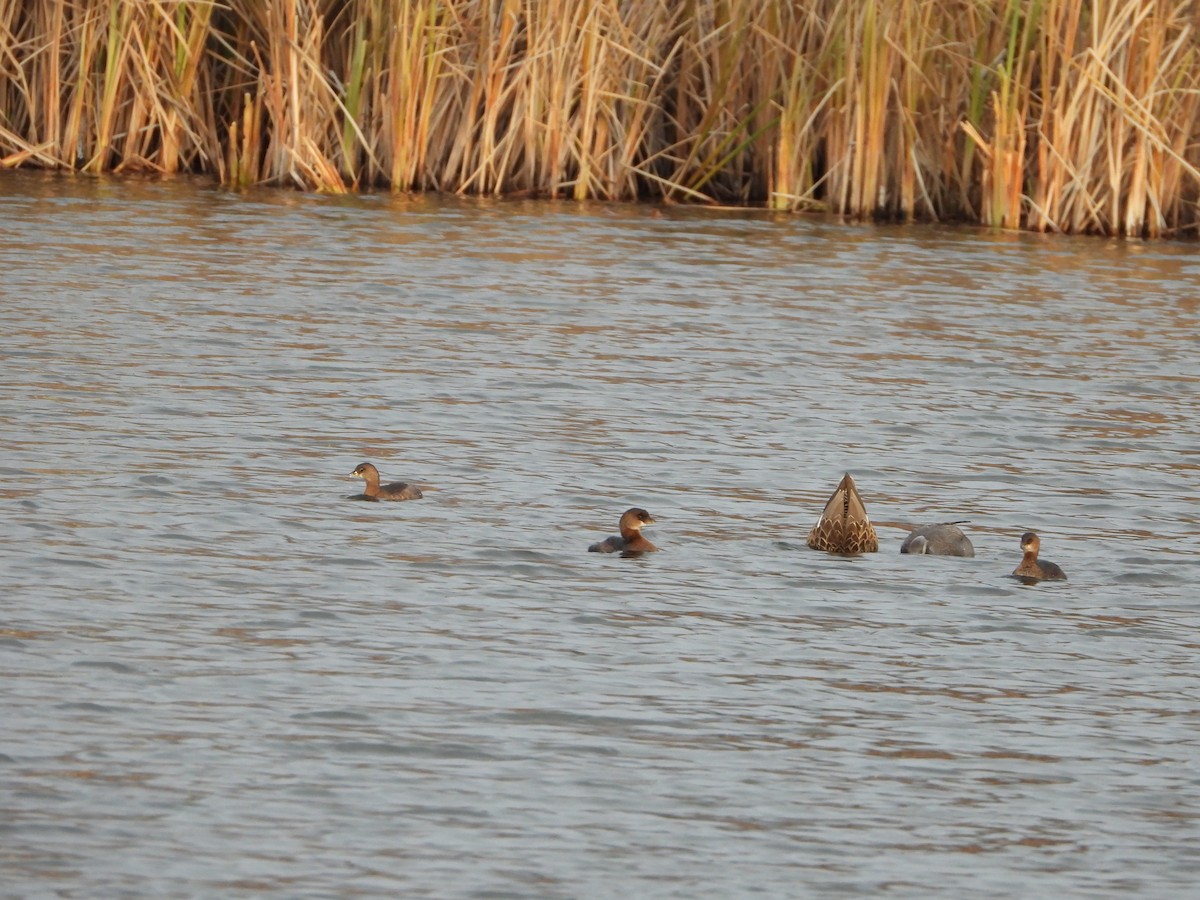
{"x":222,"y":677}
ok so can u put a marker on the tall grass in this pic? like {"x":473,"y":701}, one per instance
{"x":1063,"y":115}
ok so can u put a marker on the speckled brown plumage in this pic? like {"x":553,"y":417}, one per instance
{"x":844,"y":526}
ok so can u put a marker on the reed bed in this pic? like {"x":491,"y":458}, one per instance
{"x":1052,"y":115}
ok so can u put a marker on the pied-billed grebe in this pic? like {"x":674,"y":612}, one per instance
{"x":374,"y":491}
{"x":630,"y":539}
{"x":942,"y":539}
{"x":1031,"y":569}
{"x":844,"y":526}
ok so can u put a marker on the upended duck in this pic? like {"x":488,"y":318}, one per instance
{"x":844,"y":526}
{"x":941,"y":539}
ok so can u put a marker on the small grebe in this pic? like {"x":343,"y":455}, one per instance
{"x":1030,"y":568}
{"x":943,"y":539}
{"x":630,"y":540}
{"x":844,"y":526}
{"x":397,"y":491}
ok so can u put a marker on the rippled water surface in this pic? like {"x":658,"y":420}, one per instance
{"x":221,"y":677}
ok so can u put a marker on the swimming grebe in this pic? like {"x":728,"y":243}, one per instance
{"x":943,"y":539}
{"x":397,"y":491}
{"x":1030,"y":568}
{"x":630,"y":539}
{"x":844,"y":526}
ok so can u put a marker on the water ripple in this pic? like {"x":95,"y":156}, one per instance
{"x":222,"y":677}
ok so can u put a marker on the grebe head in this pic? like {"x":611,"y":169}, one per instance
{"x":634,"y":519}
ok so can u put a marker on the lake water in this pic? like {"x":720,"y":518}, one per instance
{"x":221,"y":677}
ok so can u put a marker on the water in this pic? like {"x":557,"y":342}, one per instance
{"x":221,"y":677}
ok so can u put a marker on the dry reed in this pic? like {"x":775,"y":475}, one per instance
{"x":1065,"y":115}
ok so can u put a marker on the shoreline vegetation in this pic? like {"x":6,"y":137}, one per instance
{"x":1079,"y":116}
